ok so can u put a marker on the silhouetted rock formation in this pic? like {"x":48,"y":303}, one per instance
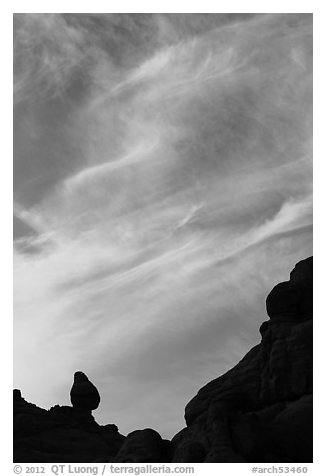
{"x":293,"y":299}
{"x":143,"y":446}
{"x":61,"y":434}
{"x":83,"y":394}
{"x":259,"y":411}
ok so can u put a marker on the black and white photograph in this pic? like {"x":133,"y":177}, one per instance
{"x":162,"y":240}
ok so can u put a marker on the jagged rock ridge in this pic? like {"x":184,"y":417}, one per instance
{"x":259,"y":411}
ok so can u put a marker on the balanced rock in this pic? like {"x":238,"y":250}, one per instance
{"x":60,"y":434}
{"x":83,"y":394}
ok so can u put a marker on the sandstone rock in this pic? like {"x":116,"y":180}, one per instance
{"x":260,"y":411}
{"x":293,"y":299}
{"x":83,"y":394}
{"x":143,"y":446}
{"x":303,"y":272}
{"x":61,"y":434}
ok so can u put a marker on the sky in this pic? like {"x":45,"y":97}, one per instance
{"x":162,"y":187}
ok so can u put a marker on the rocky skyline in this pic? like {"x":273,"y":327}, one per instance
{"x":261,"y":410}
